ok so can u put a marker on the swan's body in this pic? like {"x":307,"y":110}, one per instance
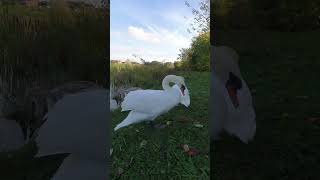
{"x":81,"y":169}
{"x":146,"y":105}
{"x":232,"y":112}
{"x":77,"y":124}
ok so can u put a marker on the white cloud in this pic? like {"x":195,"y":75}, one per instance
{"x":159,"y":36}
{"x":140,"y":34}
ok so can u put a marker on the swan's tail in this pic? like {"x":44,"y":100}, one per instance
{"x":132,"y":118}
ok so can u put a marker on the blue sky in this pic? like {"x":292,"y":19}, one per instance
{"x":151,"y":29}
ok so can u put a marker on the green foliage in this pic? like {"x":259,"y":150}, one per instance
{"x":197,"y":57}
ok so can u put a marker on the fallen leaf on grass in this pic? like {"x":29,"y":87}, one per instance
{"x":143,"y":143}
{"x":198,"y":125}
{"x":120,"y":171}
{"x":191,"y":151}
{"x":185,"y":148}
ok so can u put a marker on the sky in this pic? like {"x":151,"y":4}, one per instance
{"x":150,"y":29}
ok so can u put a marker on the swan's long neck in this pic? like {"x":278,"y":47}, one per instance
{"x":167,"y":80}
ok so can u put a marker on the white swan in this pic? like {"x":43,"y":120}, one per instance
{"x":232,"y":102}
{"x":146,"y":105}
{"x":77,"y":124}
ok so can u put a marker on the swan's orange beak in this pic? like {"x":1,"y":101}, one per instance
{"x":182,"y":88}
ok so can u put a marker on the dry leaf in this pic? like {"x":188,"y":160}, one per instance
{"x":143,"y":143}
{"x":120,"y":171}
{"x":190,"y":150}
{"x":185,"y":148}
{"x":198,"y":125}
{"x":193,"y":152}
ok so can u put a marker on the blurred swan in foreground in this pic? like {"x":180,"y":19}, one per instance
{"x":232,"y":102}
{"x":77,"y":124}
{"x":147,"y":105}
{"x":11,"y":134}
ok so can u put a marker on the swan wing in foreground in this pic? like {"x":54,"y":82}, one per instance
{"x":233,"y":109}
{"x":81,"y":169}
{"x":11,"y":135}
{"x":219,"y":107}
{"x":76,"y":124}
{"x":241,"y":121}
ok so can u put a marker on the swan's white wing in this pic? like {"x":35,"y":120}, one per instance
{"x":241,"y":121}
{"x":150,"y":101}
{"x":76,"y":124}
{"x":219,"y":105}
{"x":11,"y":136}
{"x":81,"y":169}
{"x":134,"y":117}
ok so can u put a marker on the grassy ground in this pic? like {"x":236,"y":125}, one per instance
{"x":282,"y":70}
{"x":136,"y":149}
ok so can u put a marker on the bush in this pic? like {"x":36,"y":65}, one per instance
{"x":197,"y":57}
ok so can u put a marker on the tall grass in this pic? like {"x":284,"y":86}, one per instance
{"x":139,"y":75}
{"x":43,"y":48}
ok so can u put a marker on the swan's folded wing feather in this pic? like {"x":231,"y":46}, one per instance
{"x":148,"y":101}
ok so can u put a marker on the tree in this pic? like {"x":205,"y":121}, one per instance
{"x":197,"y":57}
{"x":201,"y":19}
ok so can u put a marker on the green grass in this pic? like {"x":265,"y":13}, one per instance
{"x":279,"y":67}
{"x":136,"y":148}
